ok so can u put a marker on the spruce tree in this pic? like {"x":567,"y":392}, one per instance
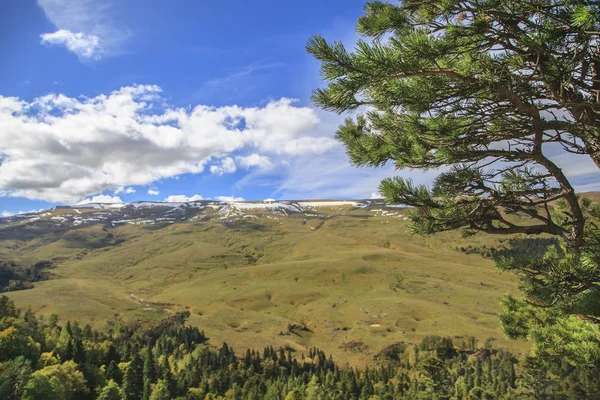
{"x":486,"y":90}
{"x":132,"y":385}
{"x":149,"y":372}
{"x":114,"y":373}
{"x":167,"y":376}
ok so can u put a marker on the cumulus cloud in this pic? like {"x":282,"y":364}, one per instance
{"x":5,"y":214}
{"x":62,"y":149}
{"x":127,"y":190}
{"x":254,"y":160}
{"x":227,"y":166}
{"x":229,"y":199}
{"x":153,"y":192}
{"x":182,"y":198}
{"x":85,"y":46}
{"x":102,"y":198}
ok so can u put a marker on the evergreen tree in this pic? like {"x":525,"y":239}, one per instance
{"x":132,"y":385}
{"x":110,"y":392}
{"x":314,"y":390}
{"x":149,"y":365}
{"x":14,"y":375}
{"x":38,"y":388}
{"x":149,"y":372}
{"x":167,"y":376}
{"x":484,"y":88}
{"x":204,"y":373}
{"x":114,"y":373}
{"x":161,"y":391}
{"x":438,"y":381}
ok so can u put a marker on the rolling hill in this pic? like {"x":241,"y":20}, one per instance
{"x":344,"y":276}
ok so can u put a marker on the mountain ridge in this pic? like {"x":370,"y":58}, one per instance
{"x":348,"y":270}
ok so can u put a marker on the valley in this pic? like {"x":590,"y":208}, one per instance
{"x":344,"y":276}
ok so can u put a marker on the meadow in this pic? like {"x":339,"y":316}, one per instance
{"x":350,"y":281}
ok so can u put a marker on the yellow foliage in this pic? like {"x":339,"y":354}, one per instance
{"x":49,"y":358}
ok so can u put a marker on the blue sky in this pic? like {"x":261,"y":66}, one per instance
{"x":200,"y":54}
{"x":155,"y":100}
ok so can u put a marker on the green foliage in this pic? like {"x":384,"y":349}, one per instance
{"x":111,"y":391}
{"x":562,"y":302}
{"x":14,"y":375}
{"x":14,"y":343}
{"x":476,"y":88}
{"x":161,"y":391}
{"x":16,"y":277}
{"x":60,"y":382}
{"x":467,"y":85}
{"x":442,"y":370}
{"x":553,"y":333}
{"x":438,"y":380}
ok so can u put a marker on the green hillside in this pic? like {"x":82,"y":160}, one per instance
{"x":348,"y":280}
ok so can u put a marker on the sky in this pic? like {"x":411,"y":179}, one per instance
{"x":120,"y":101}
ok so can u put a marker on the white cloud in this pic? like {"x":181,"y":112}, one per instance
{"x":62,"y":149}
{"x":102,"y":198}
{"x":254,"y":160}
{"x":153,"y":192}
{"x":85,"y":46}
{"x":5,"y":214}
{"x":229,"y":199}
{"x":92,"y":24}
{"x":181,"y":198}
{"x":376,"y":195}
{"x":227,"y":167}
{"x":127,"y":190}
{"x":269,"y":200}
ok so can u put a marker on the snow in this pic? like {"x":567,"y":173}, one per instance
{"x":146,"y":204}
{"x":133,"y":213}
{"x":122,"y":221}
{"x":99,"y":206}
{"x":335,"y":203}
{"x":265,"y":206}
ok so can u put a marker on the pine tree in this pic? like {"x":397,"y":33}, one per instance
{"x":484,"y":89}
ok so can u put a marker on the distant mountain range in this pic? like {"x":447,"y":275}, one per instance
{"x":150,"y":212}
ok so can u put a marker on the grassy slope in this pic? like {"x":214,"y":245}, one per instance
{"x":245,"y":282}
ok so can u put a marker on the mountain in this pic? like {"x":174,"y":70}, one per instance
{"x":344,"y":276}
